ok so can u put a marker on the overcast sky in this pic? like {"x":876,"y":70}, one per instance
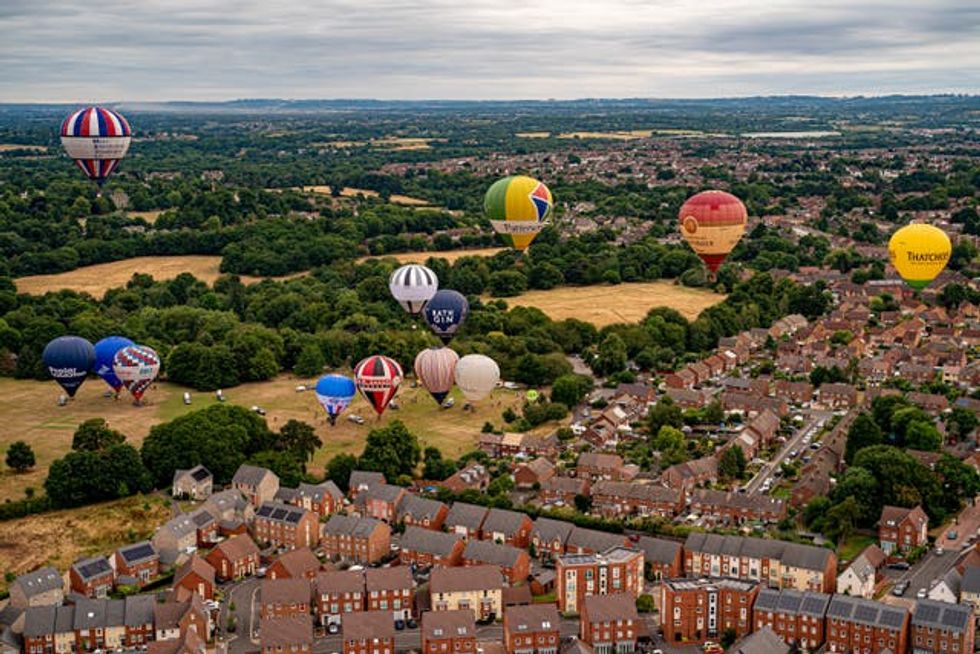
{"x":73,"y":51}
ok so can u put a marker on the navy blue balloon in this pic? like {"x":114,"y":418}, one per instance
{"x":445,"y":313}
{"x":69,"y":359}
{"x":105,"y":352}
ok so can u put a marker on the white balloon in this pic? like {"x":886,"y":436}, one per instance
{"x":413,"y":285}
{"x":476,"y":376}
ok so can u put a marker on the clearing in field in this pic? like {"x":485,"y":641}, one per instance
{"x":349,"y":192}
{"x":606,"y":305}
{"x":148,"y":216}
{"x":10,"y":147}
{"x":532,"y":135}
{"x":448,"y":255}
{"x":618,"y":136}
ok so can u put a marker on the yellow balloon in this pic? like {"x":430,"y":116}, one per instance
{"x":919,"y":253}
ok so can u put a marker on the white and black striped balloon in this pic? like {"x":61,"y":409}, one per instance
{"x":413,"y":285}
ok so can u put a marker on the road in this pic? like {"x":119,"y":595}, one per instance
{"x":243,"y":596}
{"x":795,"y":442}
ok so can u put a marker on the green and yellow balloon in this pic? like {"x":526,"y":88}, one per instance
{"x":919,"y":253}
{"x":518,"y":207}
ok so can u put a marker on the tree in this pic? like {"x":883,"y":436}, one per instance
{"x":500,"y":485}
{"x":921,"y":435}
{"x":391,"y":450}
{"x":815,"y":510}
{"x":583,"y":503}
{"x":310,"y":361}
{"x":884,"y":407}
{"x":570,"y":389}
{"x":728,"y":637}
{"x":961,"y":422}
{"x":644,"y":603}
{"x":20,"y":456}
{"x":840,"y":520}
{"x":859,"y":484}
{"x":732,"y":463}
{"x":713,"y":413}
{"x":863,"y":432}
{"x":285,"y":464}
{"x":86,"y":476}
{"x":507,"y":283}
{"x":959,"y":481}
{"x":94,"y":435}
{"x":300,"y":439}
{"x":611,"y":356}
{"x":903,"y":418}
{"x":665,"y":412}
{"x":671,"y":444}
{"x":902,"y":480}
{"x":339,"y":469}
{"x":435,"y":467}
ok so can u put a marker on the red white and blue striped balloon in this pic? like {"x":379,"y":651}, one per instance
{"x":377,"y":379}
{"x":136,"y":367}
{"x":97,"y":139}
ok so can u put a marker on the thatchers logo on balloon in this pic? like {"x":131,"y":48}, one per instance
{"x":927,"y":257}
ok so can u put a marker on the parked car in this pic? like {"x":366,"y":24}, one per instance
{"x":899,"y":565}
{"x":356,"y":419}
{"x":399,"y":625}
{"x":333,"y":628}
{"x":900,"y":588}
{"x":952,"y":535}
{"x":921,"y":594}
{"x":411,"y":623}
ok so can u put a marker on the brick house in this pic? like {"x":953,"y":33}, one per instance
{"x":138,"y":619}
{"x":196,"y":576}
{"x":549,"y":537}
{"x":797,"y":617}
{"x":234,"y":558}
{"x":510,"y":527}
{"x":448,"y":631}
{"x":390,"y":589}
{"x":205,"y":527}
{"x":618,"y":570}
{"x":295,"y":564}
{"x":323,"y":499}
{"x":901,"y":529}
{"x":515,"y":563}
{"x":336,"y":594}
{"x":368,"y":632}
{"x":683,"y":378}
{"x":838,"y":396}
{"x":597,"y":465}
{"x":361,"y":481}
{"x":538,"y":471}
{"x":685,"y":476}
{"x":293,"y":634}
{"x":618,"y":498}
{"x":422,"y":512}
{"x":702,"y":609}
{"x":193,"y":484}
{"x":531,"y":629}
{"x":381,"y":501}
{"x":592,"y":541}
{"x":942,"y":628}
{"x":258,"y":485}
{"x":174,"y":618}
{"x":610,"y":623}
{"x":478,"y":589}
{"x":563,"y":490}
{"x":139,"y":561}
{"x":765,"y":427}
{"x":174,"y":538}
{"x":794,"y":392}
{"x":362,"y":540}
{"x":737,"y":508}
{"x":42,"y":587}
{"x":423,"y":547}
{"x":282,"y":598}
{"x":284,"y":525}
{"x":662,"y":559}
{"x":473,"y":475}
{"x":465,"y":520}
{"x":857,"y":624}
{"x":92,"y":577}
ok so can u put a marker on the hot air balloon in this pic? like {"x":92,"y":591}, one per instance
{"x":334,"y":393}
{"x":517,"y":207}
{"x":435,"y":367}
{"x":919,"y":253}
{"x":476,"y":376}
{"x":712,"y":222}
{"x":97,"y":139}
{"x":105,"y":352}
{"x":413,"y":286}
{"x":68,"y":359}
{"x":136,"y":367}
{"x":445,"y":313}
{"x":378,"y":378}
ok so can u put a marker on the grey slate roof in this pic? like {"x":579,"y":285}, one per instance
{"x":417,"y":539}
{"x":139,"y":609}
{"x":485,"y":551}
{"x":285,"y":495}
{"x":249,"y":475}
{"x":792,"y":602}
{"x":316,"y":492}
{"x":64,"y":619}
{"x":549,"y":531}
{"x":941,"y":615}
{"x":658,"y":550}
{"x":89,"y":614}
{"x":342,"y":525}
{"x":420,"y":508}
{"x":971,"y":580}
{"x":39,"y":581}
{"x":92,"y":567}
{"x":503,"y":521}
{"x":384,"y":492}
{"x":466,"y":515}
{"x":279,"y":512}
{"x":115,"y":612}
{"x":808,"y":557}
{"x":866,"y":612}
{"x":39,"y":621}
{"x":761,"y":641}
{"x":138,"y":552}
{"x":592,"y":539}
{"x":360,"y":478}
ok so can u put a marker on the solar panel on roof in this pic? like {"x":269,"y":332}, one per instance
{"x":954,"y":618}
{"x":813,"y":605}
{"x":927,"y":612}
{"x":839,"y":609}
{"x":294,"y":516}
{"x":139,"y":552}
{"x":264,"y":511}
{"x":893,"y":619}
{"x":200,"y":474}
{"x":863,"y":613}
{"x":94,"y":568}
{"x":279,"y":514}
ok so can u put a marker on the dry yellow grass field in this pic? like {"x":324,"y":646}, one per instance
{"x":532,"y":135}
{"x":8,"y":147}
{"x":349,"y":192}
{"x":605,"y":305}
{"x":619,"y":136}
{"x":148,"y":216}
{"x":449,"y":255}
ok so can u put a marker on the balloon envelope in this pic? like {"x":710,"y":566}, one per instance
{"x":445,"y":313}
{"x":136,"y":367}
{"x":97,"y":139}
{"x":712,"y":223}
{"x":335,"y":393}
{"x":68,"y":359}
{"x":518,"y":207}
{"x":919,"y":253}
{"x":476,"y":376}
{"x":413,"y":286}
{"x":377,"y":379}
{"x":435,"y":367}
{"x":105,"y":353}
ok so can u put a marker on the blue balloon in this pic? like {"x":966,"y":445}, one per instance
{"x":105,"y":352}
{"x":445,"y":313}
{"x":69,"y":359}
{"x":335,"y":393}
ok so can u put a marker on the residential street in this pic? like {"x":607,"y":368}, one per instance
{"x":243,"y":596}
{"x":809,"y":428}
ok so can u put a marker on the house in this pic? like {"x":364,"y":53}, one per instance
{"x":582,"y":575}
{"x":619,"y":498}
{"x":597,"y":465}
{"x":92,"y":577}
{"x":361,"y":481}
{"x":838,"y":396}
{"x":189,"y":643}
{"x":258,"y":485}
{"x":422,"y":512}
{"x":295,"y":564}
{"x":477,"y":588}
{"x":765,"y":427}
{"x":424,"y":547}
{"x":901,"y":529}
{"x":42,"y":587}
{"x":610,"y":623}
{"x":381,"y":501}
{"x":793,"y":392}
{"x":705,"y":608}
{"x":368,"y":632}
{"x":282,"y":598}
{"x":175,"y":538}
{"x":942,"y":627}
{"x":323,"y":499}
{"x":231,"y":510}
{"x":234,"y":558}
{"x":688,"y":398}
{"x":173,"y":618}
{"x":970,"y":587}
{"x":737,"y":508}
{"x":138,"y":561}
{"x":473,"y":475}
{"x":284,"y":525}
{"x":293,"y":634}
{"x":760,"y":641}
{"x":196,"y":576}
{"x":858,"y":579}
{"x":448,"y":631}
{"x":662,"y":559}
{"x":549,"y":537}
{"x":205,"y":527}
{"x":685,"y":476}
{"x":390,"y":589}
{"x":592,"y":541}
{"x":532,"y":629}
{"x":336,"y":594}
{"x":465,"y":520}
{"x":193,"y":484}
{"x":946,"y":589}
{"x":931,"y":402}
{"x":512,"y":561}
{"x":562,"y":490}
{"x":683,"y":378}
{"x":535,"y":472}
{"x":138,"y":619}
{"x":798,"y":618}
{"x":362,"y":540}
{"x":504,"y":526}
{"x":39,"y":629}
{"x":858,"y":624}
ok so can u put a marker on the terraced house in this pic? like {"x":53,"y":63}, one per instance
{"x":422,"y":512}
{"x":620,"y":499}
{"x":466,"y":520}
{"x":448,"y":631}
{"x":942,"y":628}
{"x":362,"y":540}
{"x":532,"y":629}
{"x":855,"y":624}
{"x":509,"y":527}
{"x":697,"y":610}
{"x":337,"y":594}
{"x":423,"y":547}
{"x":797,"y":617}
{"x":515,"y":563}
{"x":478,"y":589}
{"x":390,"y":589}
{"x":610,"y":623}
{"x":283,"y":525}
